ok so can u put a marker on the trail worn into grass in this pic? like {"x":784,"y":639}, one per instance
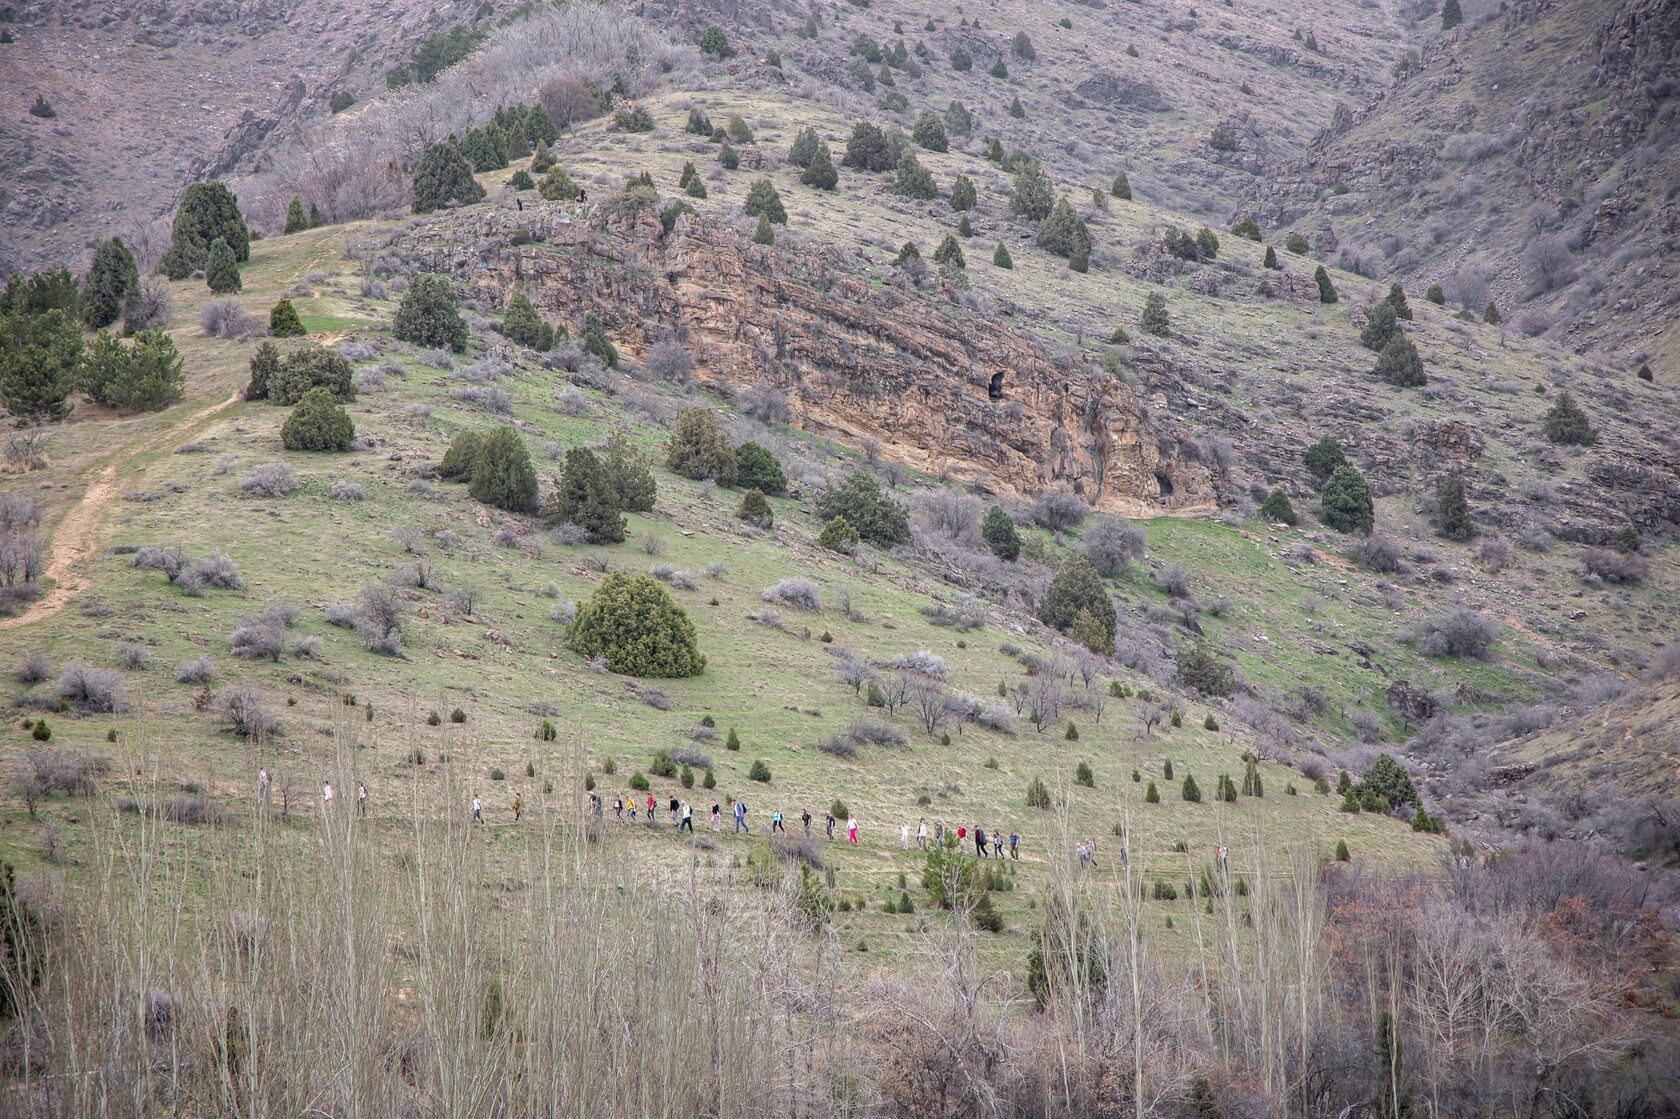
{"x":78,"y":532}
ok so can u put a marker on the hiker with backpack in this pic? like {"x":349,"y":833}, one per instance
{"x":741,"y":818}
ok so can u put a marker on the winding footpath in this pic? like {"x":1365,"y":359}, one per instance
{"x":77,"y":536}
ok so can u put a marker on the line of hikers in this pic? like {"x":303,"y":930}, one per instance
{"x":682,"y":818}
{"x":628,"y":811}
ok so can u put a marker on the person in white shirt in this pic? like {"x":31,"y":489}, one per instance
{"x":851,"y":828}
{"x":361,"y":799}
{"x":904,"y":836}
{"x":326,"y":795}
{"x":262,"y":784}
{"x":477,"y":809}
{"x":921,"y":834}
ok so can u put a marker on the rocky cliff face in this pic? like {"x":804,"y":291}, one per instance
{"x":1549,"y":129}
{"x":941,"y":390}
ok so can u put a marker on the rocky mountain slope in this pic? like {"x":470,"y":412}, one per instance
{"x":1529,"y":158}
{"x":152,"y":96}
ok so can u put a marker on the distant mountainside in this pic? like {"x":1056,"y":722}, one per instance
{"x":1531,"y":158}
{"x":153,"y":95}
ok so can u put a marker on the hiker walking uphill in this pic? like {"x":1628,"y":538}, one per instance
{"x":361,"y":799}
{"x":828,"y":824}
{"x":851,"y":828}
{"x":741,"y":818}
{"x":477,"y":809}
{"x":687,"y":818}
{"x":980,"y":842}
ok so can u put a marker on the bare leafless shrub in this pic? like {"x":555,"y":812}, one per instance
{"x":1606,"y":566}
{"x":485,"y":398}
{"x":696,"y":759}
{"x":133,"y":655}
{"x":667,"y":360}
{"x":1376,"y":552}
{"x":795,"y":594}
{"x":463,"y":598}
{"x":379,"y":616}
{"x":1494,"y":554}
{"x":923,"y":662}
{"x":1458,"y":632}
{"x":346,"y":491}
{"x":214,"y":570}
{"x":1059,"y":510}
{"x":91,"y":689}
{"x":1174,"y":582}
{"x":563,"y":612}
{"x":271,"y":479}
{"x":243,"y":711}
{"x":769,"y":619}
{"x":149,"y":307}
{"x":839,"y":746}
{"x":571,"y":401}
{"x":1548,"y":263}
{"x":569,"y":535}
{"x":872,"y":733}
{"x":766,"y":403}
{"x":225,"y":318}
{"x":200,"y":670}
{"x":340,"y":615}
{"x":32,"y":668}
{"x":24,"y":448}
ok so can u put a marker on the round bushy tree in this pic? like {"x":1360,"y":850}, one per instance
{"x":429,"y":315}
{"x":755,"y":509}
{"x":38,"y":364}
{"x":633,"y":624}
{"x":838,"y":535}
{"x":1277,"y":509}
{"x":715,"y":43}
{"x":804,"y":149}
{"x":1566,"y":423}
{"x":503,"y":475}
{"x":1399,"y":363}
{"x":1077,"y":587}
{"x":913,"y":180}
{"x":878,"y":519}
{"x":1388,"y":779}
{"x":699,"y":449}
{"x":297,"y":218}
{"x":963,"y":196}
{"x":1063,"y":232}
{"x":461,"y":459}
{"x":1032,"y":196}
{"x":557,"y":186}
{"x":317,"y":423}
{"x":1345,"y":502}
{"x":1396,"y":299}
{"x":111,"y":280}
{"x":283,"y":321}
{"x":1121,"y":187}
{"x":756,"y":468}
{"x":301,"y":369}
{"x":763,"y":199}
{"x":522,"y":324}
{"x":929,"y":132}
{"x":1323,"y":457}
{"x":207,"y":211}
{"x":764,"y":233}
{"x":997,"y":529}
{"x":444,"y":178}
{"x":820,"y":171}
{"x":221,"y":270}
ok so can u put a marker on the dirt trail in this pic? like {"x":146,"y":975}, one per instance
{"x":78,"y":533}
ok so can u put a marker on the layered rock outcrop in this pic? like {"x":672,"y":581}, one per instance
{"x":940,"y":389}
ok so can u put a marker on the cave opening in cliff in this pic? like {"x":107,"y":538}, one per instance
{"x":1165,"y":483}
{"x":994,"y":390}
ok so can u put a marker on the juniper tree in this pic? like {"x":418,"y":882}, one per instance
{"x":1435,"y":295}
{"x":503,"y":475}
{"x":1121,"y":187}
{"x":283,"y":321}
{"x":1248,"y":228}
{"x":1452,"y":510}
{"x":1075,"y":588}
{"x":317,"y":423}
{"x":764,"y":233}
{"x":963,"y":196}
{"x":1396,"y":300}
{"x":820,"y":173}
{"x":958,"y":120}
{"x":628,"y":473}
{"x":997,"y":529}
{"x":444,"y":178}
{"x":585,"y":496}
{"x":1032,"y":196}
{"x":913,"y":180}
{"x":699,"y":449}
{"x":805,"y":145}
{"x":221,"y":270}
{"x":1323,"y":457}
{"x":1277,"y":508}
{"x":1451,"y":15}
{"x":207,"y":211}
{"x":930,"y":132}
{"x":1491,"y":315}
{"x":522,"y":324}
{"x":1154,"y":320}
{"x":1271,"y":260}
{"x":763,"y":199}
{"x":429,"y":315}
{"x":1400,"y":365}
{"x":1566,"y":423}
{"x":1381,"y":325}
{"x":1345,"y":502}
{"x":297,"y":218}
{"x":1063,"y":232}
{"x":949,"y":252}
{"x":112,"y":280}
{"x":755,"y":509}
{"x":1001,"y":257}
{"x":1326,"y":290}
